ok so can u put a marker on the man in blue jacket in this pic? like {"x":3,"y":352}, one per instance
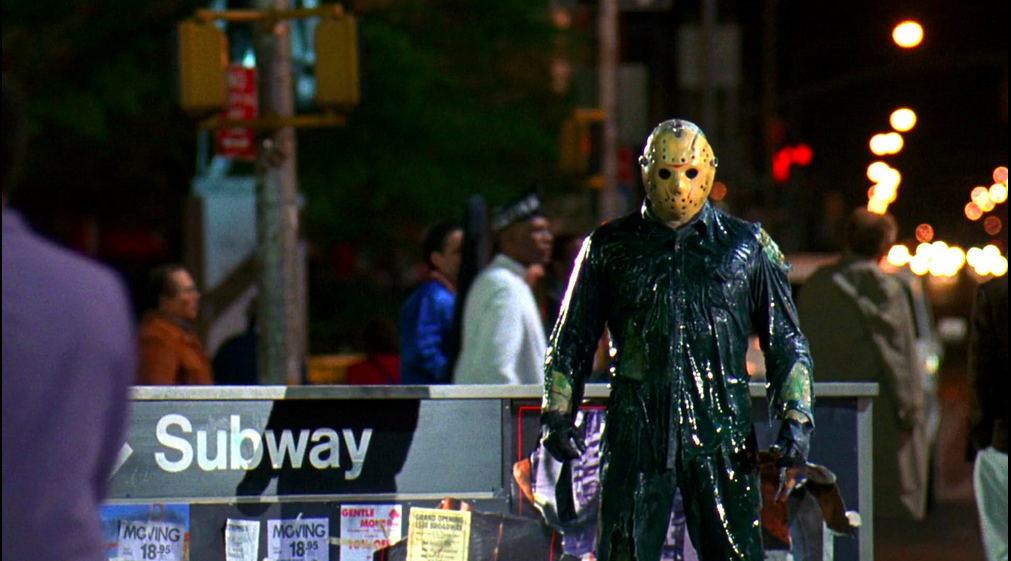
{"x":426,"y":320}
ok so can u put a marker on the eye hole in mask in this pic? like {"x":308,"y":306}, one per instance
{"x":665,"y":174}
{"x":692,"y":173}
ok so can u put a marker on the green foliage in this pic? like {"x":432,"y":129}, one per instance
{"x":107,"y":137}
{"x":457,"y":102}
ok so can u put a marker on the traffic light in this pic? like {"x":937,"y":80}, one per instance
{"x":787,"y":157}
{"x":337,"y":63}
{"x":203,"y":57}
{"x":581,"y":145}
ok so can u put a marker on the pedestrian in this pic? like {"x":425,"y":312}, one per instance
{"x":68,"y":362}
{"x":988,"y":369}
{"x":503,"y":339}
{"x":381,"y":366}
{"x":680,"y":286}
{"x":860,"y":324}
{"x":171,"y":353}
{"x":426,"y":319}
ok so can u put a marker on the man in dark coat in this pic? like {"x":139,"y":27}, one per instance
{"x":988,"y":357}
{"x":680,"y":287}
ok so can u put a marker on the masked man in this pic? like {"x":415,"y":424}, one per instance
{"x":680,"y":287}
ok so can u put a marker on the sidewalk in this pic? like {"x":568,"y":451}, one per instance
{"x":951,"y":531}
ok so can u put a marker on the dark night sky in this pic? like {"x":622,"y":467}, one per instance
{"x":841,"y":76}
{"x":954,"y":82}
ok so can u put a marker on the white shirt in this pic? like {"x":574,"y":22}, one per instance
{"x":503,"y":338}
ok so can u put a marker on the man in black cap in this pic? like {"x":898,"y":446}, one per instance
{"x":503,"y":335}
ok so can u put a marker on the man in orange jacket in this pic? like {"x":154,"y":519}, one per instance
{"x":171,"y":354}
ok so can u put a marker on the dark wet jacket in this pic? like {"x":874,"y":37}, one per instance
{"x":680,"y":306}
{"x":988,"y":367}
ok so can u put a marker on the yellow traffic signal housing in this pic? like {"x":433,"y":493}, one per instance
{"x":338,"y":81}
{"x":581,"y":143}
{"x":203,"y":57}
{"x":570,"y":154}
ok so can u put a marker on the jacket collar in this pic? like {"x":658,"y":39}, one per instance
{"x":503,"y":261}
{"x":703,"y":224}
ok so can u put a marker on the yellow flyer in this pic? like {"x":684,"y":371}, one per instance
{"x":438,"y":535}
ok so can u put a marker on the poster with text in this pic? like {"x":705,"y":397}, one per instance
{"x":242,"y":540}
{"x":302,"y":539}
{"x":366,"y":529}
{"x":146,"y":532}
{"x":438,"y":535}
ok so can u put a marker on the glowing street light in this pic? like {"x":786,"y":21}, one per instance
{"x":877,"y":171}
{"x":998,"y":193}
{"x":878,"y":206}
{"x":887,"y":144}
{"x":908,"y":35}
{"x":903,"y":120}
{"x":899,"y":256}
{"x":973,"y":212}
{"x":981,"y":196}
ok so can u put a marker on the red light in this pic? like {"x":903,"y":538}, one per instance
{"x":802,"y":155}
{"x":781,"y":165}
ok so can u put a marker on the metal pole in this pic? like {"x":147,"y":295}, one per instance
{"x":279,"y":323}
{"x":709,"y":65}
{"x":610,"y":204}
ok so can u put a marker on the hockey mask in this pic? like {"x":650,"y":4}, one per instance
{"x":678,"y":170}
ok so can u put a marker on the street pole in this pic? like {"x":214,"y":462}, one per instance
{"x":279,"y":321}
{"x":610,"y":203}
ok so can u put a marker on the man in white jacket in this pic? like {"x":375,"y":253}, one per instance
{"x":503,"y":335}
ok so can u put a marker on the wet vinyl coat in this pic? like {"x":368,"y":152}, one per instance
{"x":680,"y":306}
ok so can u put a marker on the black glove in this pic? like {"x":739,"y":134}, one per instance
{"x":793,"y":444}
{"x":561,"y":438}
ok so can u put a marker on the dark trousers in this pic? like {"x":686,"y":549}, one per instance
{"x":722,"y":499}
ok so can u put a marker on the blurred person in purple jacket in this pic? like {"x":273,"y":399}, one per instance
{"x":68,"y":360}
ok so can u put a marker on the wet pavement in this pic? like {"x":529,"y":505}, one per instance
{"x":951,"y":531}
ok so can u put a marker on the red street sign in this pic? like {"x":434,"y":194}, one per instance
{"x":239,"y":144}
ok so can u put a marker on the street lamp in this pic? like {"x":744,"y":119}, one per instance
{"x":903,"y":120}
{"x":908,"y":34}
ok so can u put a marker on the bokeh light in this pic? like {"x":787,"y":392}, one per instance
{"x":987,"y":261}
{"x":973,"y":212}
{"x":937,"y":259}
{"x":887,"y":144}
{"x":998,"y":193}
{"x":878,"y":206}
{"x":885,"y":192}
{"x":719,"y":192}
{"x":988,"y":205}
{"x":993,"y":225}
{"x":899,"y":256}
{"x":802,"y":155}
{"x":999,"y":267}
{"x":980,"y":196}
{"x":876,"y":172}
{"x":1000,"y":175}
{"x":879,"y":145}
{"x":908,"y":35}
{"x":903,"y":120}
{"x":895,"y":143}
{"x":925,"y":233}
